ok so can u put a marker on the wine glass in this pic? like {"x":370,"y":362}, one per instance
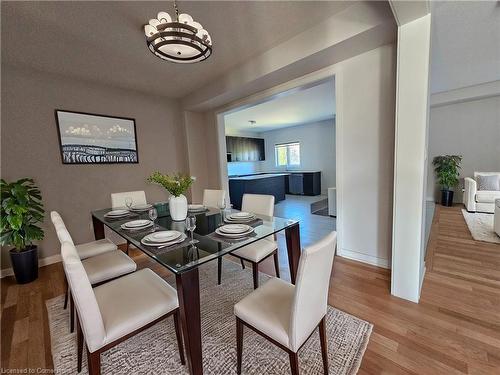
{"x":222,"y":207}
{"x":153,"y":215}
{"x":191,"y":226}
{"x":128,"y":202}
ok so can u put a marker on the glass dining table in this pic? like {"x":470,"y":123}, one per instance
{"x":183,"y":259}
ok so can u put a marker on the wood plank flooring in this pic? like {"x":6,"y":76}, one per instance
{"x":455,"y":329}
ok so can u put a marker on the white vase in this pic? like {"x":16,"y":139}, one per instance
{"x":178,"y":207}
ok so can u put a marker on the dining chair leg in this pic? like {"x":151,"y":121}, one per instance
{"x":128,"y":246}
{"x":324,"y":347}
{"x":276,"y":264}
{"x":239,"y":345}
{"x":294,"y":363}
{"x":219,"y":270}
{"x":255,"y":269}
{"x":242,"y":263}
{"x":179,"y":337}
{"x":94,"y":362}
{"x":71,"y":314}
{"x":66,"y":286}
{"x":79,"y":346}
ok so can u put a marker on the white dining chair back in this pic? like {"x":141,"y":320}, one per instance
{"x":118,"y":199}
{"x":86,"y":304}
{"x":258,"y":204}
{"x":311,"y":290}
{"x":61,"y":230}
{"x":214,"y":198}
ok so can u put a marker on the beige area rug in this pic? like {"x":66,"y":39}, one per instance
{"x":481,"y":226}
{"x":154,"y":351}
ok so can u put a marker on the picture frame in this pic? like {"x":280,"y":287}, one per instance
{"x":91,"y":138}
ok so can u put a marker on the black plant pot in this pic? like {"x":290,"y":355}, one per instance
{"x":25,"y":264}
{"x":447,"y":198}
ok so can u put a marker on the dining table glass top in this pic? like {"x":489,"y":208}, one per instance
{"x":183,"y":257}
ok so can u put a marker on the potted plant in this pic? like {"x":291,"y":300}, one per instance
{"x":21,"y":211}
{"x":447,"y":171}
{"x":176,"y":185}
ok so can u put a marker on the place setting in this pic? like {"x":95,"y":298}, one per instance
{"x":240,"y":217}
{"x":197,"y":208}
{"x":234,"y":232}
{"x":117,"y":214}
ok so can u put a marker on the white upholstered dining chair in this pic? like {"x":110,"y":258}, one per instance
{"x":101,"y":259}
{"x":258,"y":251}
{"x":115,"y":311}
{"x":118,"y":199}
{"x":214,"y":198}
{"x":286,"y":314}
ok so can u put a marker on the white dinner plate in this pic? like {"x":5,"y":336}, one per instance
{"x":234,"y":235}
{"x":141,"y":207}
{"x":241,"y":215}
{"x":234,"y":228}
{"x":117,"y":213}
{"x":137,"y":228}
{"x":196,"y":207}
{"x":163,"y":236}
{"x":136,"y":223}
{"x":181,"y":238}
{"x":239,"y":220}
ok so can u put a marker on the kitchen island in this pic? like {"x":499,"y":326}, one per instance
{"x":269,"y":184}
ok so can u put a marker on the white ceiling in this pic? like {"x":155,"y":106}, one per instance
{"x":288,"y":109}
{"x":465,"y":44}
{"x":104,"y":41}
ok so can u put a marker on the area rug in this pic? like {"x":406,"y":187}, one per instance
{"x":154,"y":351}
{"x":481,"y":226}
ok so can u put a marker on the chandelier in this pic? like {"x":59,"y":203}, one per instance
{"x":181,"y":40}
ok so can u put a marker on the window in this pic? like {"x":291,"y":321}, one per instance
{"x":287,"y":154}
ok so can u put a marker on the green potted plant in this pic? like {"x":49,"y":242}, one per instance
{"x":176,"y":184}
{"x":447,"y":170}
{"x":21,"y":211}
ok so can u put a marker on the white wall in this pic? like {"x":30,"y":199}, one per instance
{"x":412,"y":101}
{"x":317,"y":149}
{"x":365,"y":155}
{"x":470,"y":129}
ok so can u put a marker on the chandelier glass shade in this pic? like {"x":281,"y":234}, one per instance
{"x":181,"y":40}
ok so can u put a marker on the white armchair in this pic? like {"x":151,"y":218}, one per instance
{"x":479,"y":200}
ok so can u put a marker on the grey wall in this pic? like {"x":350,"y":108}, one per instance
{"x":317,"y":149}
{"x":30,"y":146}
{"x":470,"y":129}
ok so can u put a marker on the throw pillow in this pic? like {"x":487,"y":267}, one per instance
{"x":488,"y":182}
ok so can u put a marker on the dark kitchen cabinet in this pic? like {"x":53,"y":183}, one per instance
{"x":303,"y":183}
{"x":245,"y":149}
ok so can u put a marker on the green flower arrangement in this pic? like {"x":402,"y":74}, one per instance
{"x":175,"y":184}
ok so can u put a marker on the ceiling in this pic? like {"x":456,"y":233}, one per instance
{"x":289,"y":109}
{"x":465,"y":44}
{"x":104,"y":41}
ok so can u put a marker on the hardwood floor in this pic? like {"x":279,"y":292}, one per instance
{"x":455,"y":329}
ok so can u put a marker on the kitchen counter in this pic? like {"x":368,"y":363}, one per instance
{"x":259,"y":176}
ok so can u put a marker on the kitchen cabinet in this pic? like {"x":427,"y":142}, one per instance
{"x":245,"y":149}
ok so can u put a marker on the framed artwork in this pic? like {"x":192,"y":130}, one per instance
{"x":87,"y":138}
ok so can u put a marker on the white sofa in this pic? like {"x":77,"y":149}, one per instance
{"x":496,"y":219}
{"x":479,"y":200}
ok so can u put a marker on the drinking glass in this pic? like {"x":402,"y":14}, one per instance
{"x":191,"y":226}
{"x":128,"y":202}
{"x":153,"y":215}
{"x":222,"y":207}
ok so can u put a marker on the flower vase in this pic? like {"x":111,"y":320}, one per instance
{"x":178,"y":207}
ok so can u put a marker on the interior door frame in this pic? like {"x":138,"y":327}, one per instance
{"x":331,"y":73}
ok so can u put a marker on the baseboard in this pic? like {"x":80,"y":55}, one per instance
{"x":369,"y":259}
{"x":41,"y":262}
